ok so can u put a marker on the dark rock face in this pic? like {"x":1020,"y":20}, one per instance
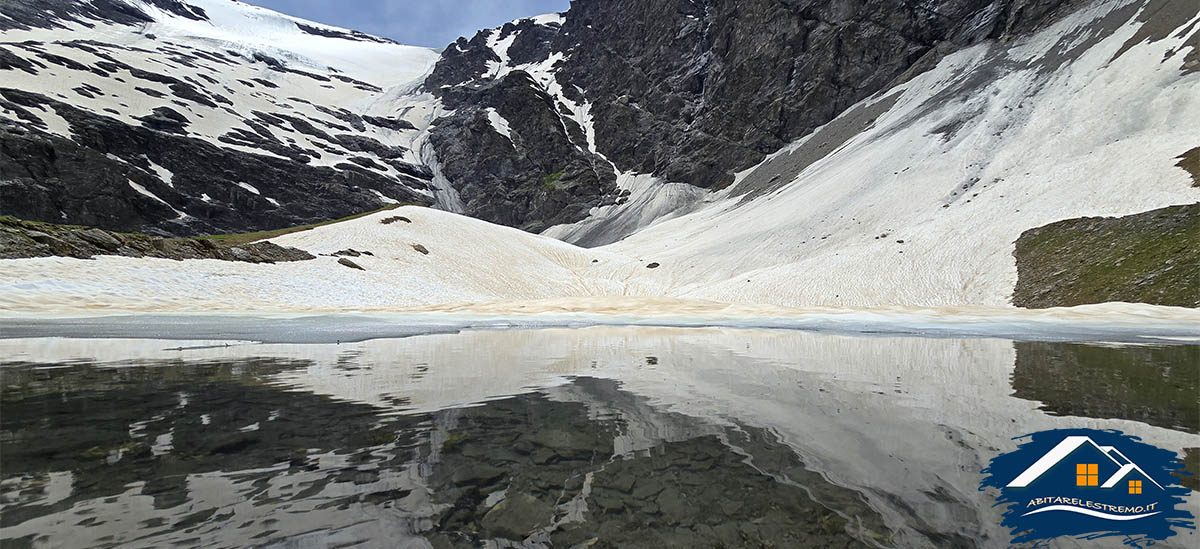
{"x":542,"y":173}
{"x":24,"y":14}
{"x":537,"y":176}
{"x":695,"y":91}
{"x":690,"y":91}
{"x":90,"y":180}
{"x":198,"y":159}
{"x":25,"y":239}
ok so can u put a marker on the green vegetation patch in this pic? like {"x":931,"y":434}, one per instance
{"x":1151,"y":257}
{"x":550,"y":181}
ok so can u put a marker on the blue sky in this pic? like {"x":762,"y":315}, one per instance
{"x":432,"y":23}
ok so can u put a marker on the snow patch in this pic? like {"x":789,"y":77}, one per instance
{"x":549,"y":19}
{"x":163,"y":174}
{"x":499,"y":123}
{"x":146,"y":192}
{"x":384,"y":198}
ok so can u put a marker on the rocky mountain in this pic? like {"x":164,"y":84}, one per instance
{"x":687,"y":91}
{"x":742,"y":151}
{"x":206,"y":116}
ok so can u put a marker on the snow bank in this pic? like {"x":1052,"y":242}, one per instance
{"x":917,"y":211}
{"x":923,"y":207}
{"x":467,"y":259}
{"x":251,"y":28}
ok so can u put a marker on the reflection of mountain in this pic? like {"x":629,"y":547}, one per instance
{"x":553,"y":463}
{"x":906,"y":422}
{"x":1156,"y":385}
{"x":155,"y":431}
{"x":212,"y":453}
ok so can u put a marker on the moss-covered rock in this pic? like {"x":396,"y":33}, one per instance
{"x":1151,"y":257}
{"x":25,"y":239}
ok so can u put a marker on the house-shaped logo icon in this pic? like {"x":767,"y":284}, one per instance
{"x":1099,"y":466}
{"x":1089,"y":483}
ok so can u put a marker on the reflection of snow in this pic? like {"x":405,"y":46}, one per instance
{"x":907,"y":422}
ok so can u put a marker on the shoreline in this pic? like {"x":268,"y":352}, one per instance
{"x":1108,"y":322}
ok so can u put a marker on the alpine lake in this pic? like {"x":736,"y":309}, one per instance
{"x":556,"y":437}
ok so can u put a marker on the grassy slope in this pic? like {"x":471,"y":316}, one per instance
{"x":1151,"y":257}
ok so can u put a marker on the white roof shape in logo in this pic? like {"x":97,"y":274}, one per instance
{"x":1068,"y":446}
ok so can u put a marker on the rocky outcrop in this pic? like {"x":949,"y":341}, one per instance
{"x":25,"y":239}
{"x":1190,"y":162}
{"x":540,"y":114}
{"x":23,"y":14}
{"x":689,"y":91}
{"x":170,"y":136}
{"x":1151,"y":257}
{"x":696,"y":91}
{"x":534,"y":176}
{"x":105,"y":177}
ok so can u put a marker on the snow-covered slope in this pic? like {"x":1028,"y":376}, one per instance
{"x":921,"y":206}
{"x":318,"y":46}
{"x":466,"y":260}
{"x":912,"y":198}
{"x":318,"y":103}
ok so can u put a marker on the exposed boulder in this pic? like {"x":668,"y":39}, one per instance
{"x":347,"y":263}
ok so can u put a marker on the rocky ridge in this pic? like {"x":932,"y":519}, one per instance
{"x":104,"y":123}
{"x":691,"y":91}
{"x":25,"y":239}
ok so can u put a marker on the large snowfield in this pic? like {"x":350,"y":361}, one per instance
{"x":916,"y":211}
{"x":850,"y":296}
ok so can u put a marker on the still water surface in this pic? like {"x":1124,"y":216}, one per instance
{"x":600,"y":437}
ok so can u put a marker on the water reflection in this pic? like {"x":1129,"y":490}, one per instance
{"x":215,"y":455}
{"x":1159,"y":385}
{"x":609,"y":437}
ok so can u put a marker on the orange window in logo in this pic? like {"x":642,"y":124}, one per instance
{"x":1087,"y":474}
{"x":1135,"y":487}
